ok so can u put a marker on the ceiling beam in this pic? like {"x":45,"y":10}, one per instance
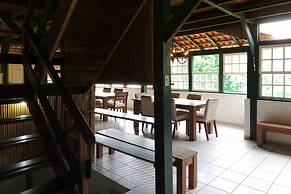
{"x":224,"y":8}
{"x":180,"y":15}
{"x":249,"y":36}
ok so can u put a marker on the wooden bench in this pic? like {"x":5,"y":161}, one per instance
{"x":143,"y":148}
{"x":265,"y":126}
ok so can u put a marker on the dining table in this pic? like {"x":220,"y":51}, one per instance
{"x":104,"y":96}
{"x":182,"y":103}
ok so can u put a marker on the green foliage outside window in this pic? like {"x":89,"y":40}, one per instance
{"x":205,"y":63}
{"x":235,"y":83}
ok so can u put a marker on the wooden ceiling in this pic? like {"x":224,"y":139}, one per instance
{"x":213,"y":24}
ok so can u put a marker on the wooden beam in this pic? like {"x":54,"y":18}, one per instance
{"x":11,"y":24}
{"x":181,"y":14}
{"x":58,"y":27}
{"x":162,"y":85}
{"x":249,"y":36}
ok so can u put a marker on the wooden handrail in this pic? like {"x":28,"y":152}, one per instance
{"x":21,"y":118}
{"x":77,"y":116}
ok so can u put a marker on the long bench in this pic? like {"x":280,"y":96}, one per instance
{"x":143,"y":148}
{"x":265,"y":126}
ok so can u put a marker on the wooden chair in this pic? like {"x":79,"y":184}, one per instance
{"x":117,"y":90}
{"x":194,"y":97}
{"x":147,"y":108}
{"x":107,"y":90}
{"x":119,"y":102}
{"x":177,"y":116}
{"x":208,"y":117}
{"x":175,"y":95}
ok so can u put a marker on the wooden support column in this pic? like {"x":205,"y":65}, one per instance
{"x":252,"y":75}
{"x":162,"y":87}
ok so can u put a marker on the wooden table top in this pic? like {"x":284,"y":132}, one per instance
{"x":184,"y":102}
{"x":104,"y":95}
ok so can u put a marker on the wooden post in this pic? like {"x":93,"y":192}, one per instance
{"x":162,"y":87}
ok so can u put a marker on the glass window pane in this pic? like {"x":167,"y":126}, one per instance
{"x":288,"y":79}
{"x":278,"y":79}
{"x":202,"y":77}
{"x":288,"y":91}
{"x":227,"y":69}
{"x":267,"y":91}
{"x":288,"y":52}
{"x":227,"y":58}
{"x":288,"y":65}
{"x":243,"y":68}
{"x":235,"y":59}
{"x":267,"y":78}
{"x":278,"y":53}
{"x":278,"y":91}
{"x":243,"y":58}
{"x":266,"y":66}
{"x":235,"y":68}
{"x":215,"y":77}
{"x":209,"y":77}
{"x":278,"y":65}
{"x":208,"y":86}
{"x":266,"y":53}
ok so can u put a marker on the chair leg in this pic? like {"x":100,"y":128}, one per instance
{"x":142,"y":127}
{"x":152,"y":128}
{"x":199,"y":127}
{"x":215,"y":128}
{"x":174,"y":129}
{"x":206,"y":131}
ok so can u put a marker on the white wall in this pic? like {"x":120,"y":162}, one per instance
{"x":230,"y":107}
{"x":275,"y":111}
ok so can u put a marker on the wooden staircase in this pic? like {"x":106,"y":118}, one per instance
{"x":92,"y":31}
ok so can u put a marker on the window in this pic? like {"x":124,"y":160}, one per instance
{"x":235,"y":73}
{"x":133,"y":86}
{"x":275,"y":30}
{"x":275,"y":63}
{"x":179,"y":75}
{"x":15,"y":74}
{"x":205,"y":71}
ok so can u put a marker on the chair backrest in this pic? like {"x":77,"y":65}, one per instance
{"x":175,"y":95}
{"x":121,"y":97}
{"x":210,"y":109}
{"x":194,"y":97}
{"x":173,"y":110}
{"x":138,"y":95}
{"x":147,"y":106}
{"x":117,"y":90}
{"x":107,"y":90}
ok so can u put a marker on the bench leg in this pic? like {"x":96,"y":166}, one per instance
{"x":111,"y":151}
{"x":181,"y":178}
{"x":99,"y":150}
{"x":193,"y":174}
{"x":261,"y":135}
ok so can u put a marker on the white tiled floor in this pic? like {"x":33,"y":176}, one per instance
{"x":227,"y":164}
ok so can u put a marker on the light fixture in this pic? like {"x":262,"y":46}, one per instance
{"x":179,"y":53}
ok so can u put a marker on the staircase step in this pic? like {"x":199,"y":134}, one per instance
{"x":20,"y":140}
{"x":52,"y":186}
{"x":17,"y":119}
{"x":24,"y":167}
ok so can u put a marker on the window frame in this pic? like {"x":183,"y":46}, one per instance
{"x":206,"y":73}
{"x":186,"y":64}
{"x":234,"y":73}
{"x":272,"y":98}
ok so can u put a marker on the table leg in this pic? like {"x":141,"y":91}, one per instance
{"x":111,"y":151}
{"x":99,"y":150}
{"x":192,"y":126}
{"x":193,"y":173}
{"x":136,"y":108}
